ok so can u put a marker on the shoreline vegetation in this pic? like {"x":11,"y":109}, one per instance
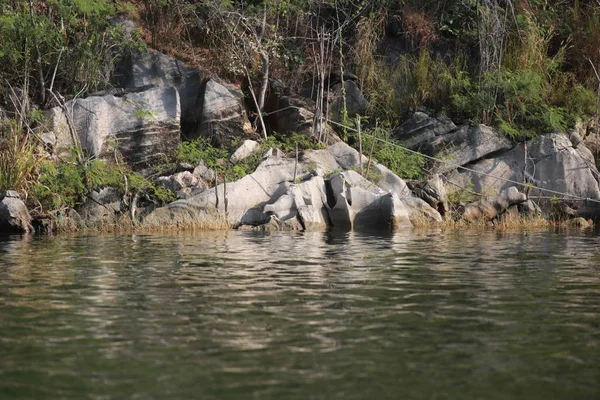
{"x":304,"y":114}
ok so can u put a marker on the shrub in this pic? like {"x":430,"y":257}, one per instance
{"x":389,"y":152}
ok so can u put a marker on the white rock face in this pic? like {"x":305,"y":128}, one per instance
{"x":144,"y":126}
{"x":552,"y":164}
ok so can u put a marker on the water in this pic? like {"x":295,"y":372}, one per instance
{"x":235,"y":315}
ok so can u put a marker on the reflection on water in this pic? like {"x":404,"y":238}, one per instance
{"x":226,"y":315}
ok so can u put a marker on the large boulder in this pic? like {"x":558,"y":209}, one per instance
{"x":223,"y":116}
{"x":419,"y":129}
{"x":143,"y":126}
{"x":287,"y":114}
{"x":349,"y":158}
{"x":147,"y":69}
{"x":466,"y":145}
{"x":357,"y":204}
{"x":554,"y":167}
{"x":355,"y":101}
{"x":14,"y":216}
{"x":101,"y":204}
{"x":306,"y":202}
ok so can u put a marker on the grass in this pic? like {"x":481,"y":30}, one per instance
{"x":19,"y":158}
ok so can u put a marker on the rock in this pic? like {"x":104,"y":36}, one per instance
{"x":489,"y":209}
{"x":276,"y":225}
{"x":419,"y":212}
{"x":357,"y":204}
{"x":273,"y":152}
{"x":433,"y":192}
{"x":14,"y":216}
{"x":553,"y":164}
{"x":420,"y":128}
{"x":143,"y":126}
{"x":292,"y":114}
{"x":151,"y":68}
{"x":466,"y":145}
{"x":246,"y":197}
{"x":223,"y":116}
{"x":577,"y":223}
{"x":322,"y":159}
{"x":305,"y":202}
{"x":184,"y":184}
{"x":204,"y":173}
{"x":244,"y":151}
{"x":100,"y":204}
{"x":348,"y":158}
{"x":529,"y":209}
{"x":356,"y":104}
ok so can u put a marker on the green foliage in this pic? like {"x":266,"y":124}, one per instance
{"x":458,"y":195}
{"x":66,"y":184}
{"x":388,"y":152}
{"x":73,"y":38}
{"x":201,"y":150}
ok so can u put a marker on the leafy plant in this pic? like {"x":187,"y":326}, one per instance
{"x":390,"y":153}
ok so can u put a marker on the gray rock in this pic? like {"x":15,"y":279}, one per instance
{"x":273,"y":152}
{"x":356,"y":104}
{"x":223,"y":116}
{"x":293,"y":114}
{"x":420,"y":128}
{"x":348,"y":158}
{"x":244,"y":151}
{"x":204,"y":172}
{"x":305,"y":202}
{"x":143,"y":126}
{"x":100,"y":204}
{"x":360,"y":205}
{"x":553,"y":164}
{"x":154,"y":69}
{"x":466,"y":145}
{"x":529,"y":209}
{"x":184,"y":184}
{"x":322,"y":159}
{"x":419,"y":212}
{"x":14,"y":216}
{"x":433,"y":192}
{"x":491,"y":208}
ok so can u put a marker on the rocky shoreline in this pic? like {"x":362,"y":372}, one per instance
{"x":162,"y":101}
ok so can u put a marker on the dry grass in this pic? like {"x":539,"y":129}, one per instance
{"x":163,"y":220}
{"x":19,"y":158}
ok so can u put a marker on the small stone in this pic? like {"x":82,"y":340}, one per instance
{"x":244,"y":151}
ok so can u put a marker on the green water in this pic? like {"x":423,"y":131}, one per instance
{"x":301,"y":316}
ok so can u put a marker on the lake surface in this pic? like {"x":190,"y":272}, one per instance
{"x":238,"y":315}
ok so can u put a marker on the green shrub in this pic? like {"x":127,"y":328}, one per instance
{"x":67,"y":184}
{"x":389,"y":152}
